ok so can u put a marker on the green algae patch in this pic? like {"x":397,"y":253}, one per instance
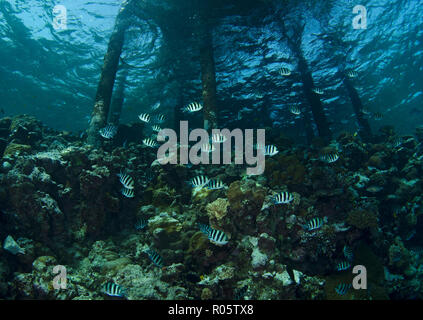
{"x":15,"y":148}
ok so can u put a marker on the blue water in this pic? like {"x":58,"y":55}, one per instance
{"x":54,"y":74}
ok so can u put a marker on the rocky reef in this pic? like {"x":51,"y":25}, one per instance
{"x":61,"y":205}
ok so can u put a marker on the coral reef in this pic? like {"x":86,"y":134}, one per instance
{"x":61,"y":203}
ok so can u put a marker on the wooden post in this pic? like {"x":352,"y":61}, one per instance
{"x":118,"y":98}
{"x":108,"y":75}
{"x":364,"y":127}
{"x":208,"y":77}
{"x":313,"y":99}
{"x":308,"y":128}
{"x":294,"y":42}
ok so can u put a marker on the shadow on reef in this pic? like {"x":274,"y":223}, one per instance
{"x":61,"y":204}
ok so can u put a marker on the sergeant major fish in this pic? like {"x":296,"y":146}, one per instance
{"x":216,"y":237}
{"x":114,"y":290}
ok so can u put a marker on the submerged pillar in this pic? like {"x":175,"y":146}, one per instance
{"x":314,"y":101}
{"x":118,"y":98}
{"x":108,"y":75}
{"x":364,"y":126}
{"x":308,"y":128}
{"x":208,"y":77}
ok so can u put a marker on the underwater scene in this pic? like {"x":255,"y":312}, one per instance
{"x":211,"y":150}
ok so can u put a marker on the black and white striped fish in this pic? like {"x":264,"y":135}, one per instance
{"x":126,"y":180}
{"x":365,"y":111}
{"x":314,"y":224}
{"x":108,"y":132}
{"x":207,"y":147}
{"x":144,"y":117}
{"x":155,"y":257}
{"x":351,"y":74}
{"x":204,"y":228}
{"x":348,"y":253}
{"x":344,"y":265}
{"x":199,"y":181}
{"x":283,"y":197}
{"x":129,"y":193}
{"x":318,"y":91}
{"x":342,"y":288}
{"x":397,"y":142}
{"x":141,"y":224}
{"x":215,"y":184}
{"x":150,"y":143}
{"x":193,"y":107}
{"x":156,"y":128}
{"x":113,"y":290}
{"x":295,"y":110}
{"x":160,"y":118}
{"x":270,"y":150}
{"x":329,"y":157}
{"x":218,"y":138}
{"x":378,"y":116}
{"x":216,"y":237}
{"x":284,"y":71}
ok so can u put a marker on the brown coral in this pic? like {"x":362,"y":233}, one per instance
{"x":217,"y":209}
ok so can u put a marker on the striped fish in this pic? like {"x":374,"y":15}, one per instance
{"x":314,"y":224}
{"x":215,"y":184}
{"x":342,"y":288}
{"x":207,"y":147}
{"x":318,"y":91}
{"x":348,"y":253}
{"x":150,"y":143}
{"x":283,"y":197}
{"x":144,"y":117}
{"x":329,"y":157}
{"x":160,"y":118}
{"x":193,"y":107}
{"x":113,"y":290}
{"x":295,"y":110}
{"x":155,"y":257}
{"x":129,"y":193}
{"x":344,"y":265}
{"x":270,"y":150}
{"x":352,"y":74}
{"x":141,"y":224}
{"x":108,"y":132}
{"x":156,"y":128}
{"x":378,"y":116}
{"x":218,"y":138}
{"x":284,"y":71}
{"x":365,"y":111}
{"x":204,"y":228}
{"x":397,"y":142}
{"x":199,"y":181}
{"x":216,"y":237}
{"x":126,"y":180}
